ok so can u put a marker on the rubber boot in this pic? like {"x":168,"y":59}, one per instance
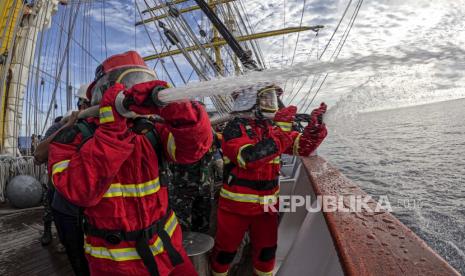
{"x":46,"y":238}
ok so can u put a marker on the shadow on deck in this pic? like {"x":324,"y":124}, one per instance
{"x":20,"y":250}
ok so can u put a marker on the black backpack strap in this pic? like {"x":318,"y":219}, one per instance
{"x":87,"y":131}
{"x":67,"y":135}
{"x":154,"y":139}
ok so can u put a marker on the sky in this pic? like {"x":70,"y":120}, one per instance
{"x":413,"y":49}
{"x":390,"y":28}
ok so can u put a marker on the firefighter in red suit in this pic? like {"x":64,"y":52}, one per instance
{"x":252,"y":146}
{"x":115,"y":173}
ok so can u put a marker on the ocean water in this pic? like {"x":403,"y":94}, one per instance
{"x":415,"y":156}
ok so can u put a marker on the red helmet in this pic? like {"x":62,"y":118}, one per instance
{"x":127,"y":68}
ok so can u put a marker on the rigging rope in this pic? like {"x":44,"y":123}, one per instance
{"x":284,"y":37}
{"x":297,"y":41}
{"x":298,"y":34}
{"x":351,"y":24}
{"x":153,"y":44}
{"x":335,"y":30}
{"x":104,"y":28}
{"x":61,"y":64}
{"x":30,"y":28}
{"x":319,"y":56}
{"x":162,"y":39}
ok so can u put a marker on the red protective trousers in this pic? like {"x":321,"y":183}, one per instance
{"x":252,"y":150}
{"x":231,"y":229}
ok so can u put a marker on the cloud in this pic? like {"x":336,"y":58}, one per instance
{"x":399,"y":30}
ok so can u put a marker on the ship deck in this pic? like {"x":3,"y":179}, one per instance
{"x":310,"y":243}
{"x":20,"y":250}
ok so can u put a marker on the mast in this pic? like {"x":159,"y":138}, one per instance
{"x":10,"y":13}
{"x":218,"y":59}
{"x":68,"y":87}
{"x":35,"y":18}
{"x":222,"y":42}
{"x":244,"y":56}
{"x":222,"y":34}
{"x":212,"y":4}
{"x":228,"y":37}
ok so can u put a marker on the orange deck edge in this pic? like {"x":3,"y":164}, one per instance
{"x":371,"y":243}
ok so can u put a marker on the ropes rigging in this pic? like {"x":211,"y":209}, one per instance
{"x":60,"y":68}
{"x":305,"y":102}
{"x":78,"y":42}
{"x":341,"y":43}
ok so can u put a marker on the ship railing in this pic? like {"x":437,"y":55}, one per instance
{"x":313,"y":242}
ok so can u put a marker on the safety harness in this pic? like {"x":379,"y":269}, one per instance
{"x":231,"y":179}
{"x":143,"y":236}
{"x":258,"y":185}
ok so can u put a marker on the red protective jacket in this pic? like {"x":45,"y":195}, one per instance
{"x":117,"y":181}
{"x":252,"y":151}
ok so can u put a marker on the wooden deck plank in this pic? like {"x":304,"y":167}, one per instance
{"x":20,"y":250}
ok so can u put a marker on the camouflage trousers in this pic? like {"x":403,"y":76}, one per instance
{"x":47,"y":197}
{"x":191,"y":201}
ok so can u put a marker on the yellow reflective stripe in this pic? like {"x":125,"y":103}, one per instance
{"x":219,"y":273}
{"x":60,"y":166}
{"x":276,"y":160}
{"x":106,"y":115}
{"x":240,"y":161}
{"x":285,"y":126}
{"x":296,"y":145}
{"x":226,"y":160}
{"x":133,"y":190}
{"x":171,"y":146}
{"x":119,"y":255}
{"x":271,"y":110}
{"x":128,"y":254}
{"x":250,"y":198}
{"x":261,"y":273}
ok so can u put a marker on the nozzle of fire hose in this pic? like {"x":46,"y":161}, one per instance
{"x":307,"y":118}
{"x":155,"y":96}
{"x":302,"y":118}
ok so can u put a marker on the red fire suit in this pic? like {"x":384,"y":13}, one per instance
{"x":252,"y":150}
{"x":115,"y":177}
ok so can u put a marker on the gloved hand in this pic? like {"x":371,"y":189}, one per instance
{"x":182,"y":113}
{"x":317,"y":114}
{"x":70,"y":120}
{"x":311,"y":138}
{"x":110,"y":119}
{"x":285,"y":117}
{"x":282,"y":139}
{"x":141,"y":94}
{"x":315,"y":132}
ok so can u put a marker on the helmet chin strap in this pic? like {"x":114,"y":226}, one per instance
{"x":263,"y":115}
{"x":268,"y":115}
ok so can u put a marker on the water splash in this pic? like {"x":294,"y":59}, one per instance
{"x":397,"y":89}
{"x":443,"y":55}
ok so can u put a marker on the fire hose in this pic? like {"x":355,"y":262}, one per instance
{"x":123,"y":103}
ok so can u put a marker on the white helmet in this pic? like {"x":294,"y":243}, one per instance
{"x":82,"y":91}
{"x":82,"y":102}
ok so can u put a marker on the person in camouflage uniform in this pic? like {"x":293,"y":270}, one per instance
{"x":47,"y":187}
{"x":191,"y":193}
